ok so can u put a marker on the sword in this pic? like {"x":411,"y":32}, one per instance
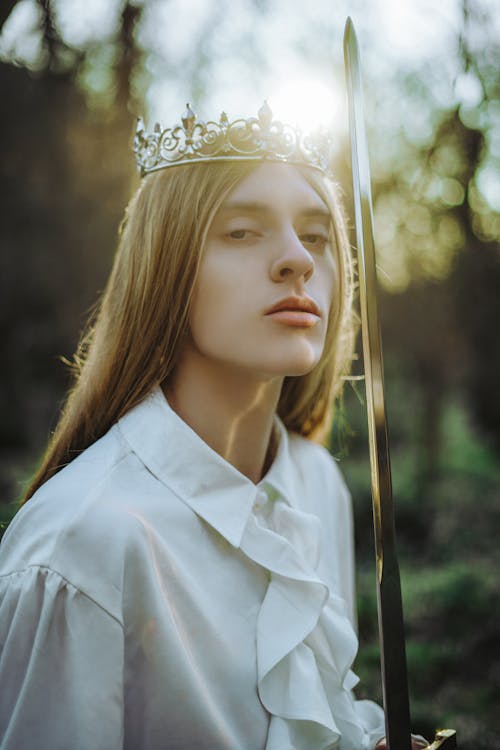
{"x":390,"y":609}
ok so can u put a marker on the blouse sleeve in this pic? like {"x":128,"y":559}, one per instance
{"x":61,"y":666}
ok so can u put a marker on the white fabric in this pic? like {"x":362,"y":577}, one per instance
{"x":153,"y":597}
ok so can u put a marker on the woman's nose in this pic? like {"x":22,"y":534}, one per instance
{"x":293,"y":260}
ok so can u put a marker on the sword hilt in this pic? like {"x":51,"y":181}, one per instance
{"x":445,"y":739}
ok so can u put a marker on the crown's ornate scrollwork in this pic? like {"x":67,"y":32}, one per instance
{"x":256,"y":138}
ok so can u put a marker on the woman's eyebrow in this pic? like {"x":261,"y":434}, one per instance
{"x":256,"y":207}
{"x":316,"y":212}
{"x":251,"y":207}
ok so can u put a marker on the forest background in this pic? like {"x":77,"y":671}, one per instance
{"x":72,"y":77}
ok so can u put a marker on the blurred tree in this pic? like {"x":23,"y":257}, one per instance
{"x":437,"y":227}
{"x":64,"y":184}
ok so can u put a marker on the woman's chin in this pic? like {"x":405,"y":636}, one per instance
{"x":295,"y":366}
{"x":301,"y":362}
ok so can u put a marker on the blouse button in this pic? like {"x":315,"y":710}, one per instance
{"x":260,"y":500}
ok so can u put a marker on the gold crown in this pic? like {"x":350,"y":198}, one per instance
{"x":257,"y":138}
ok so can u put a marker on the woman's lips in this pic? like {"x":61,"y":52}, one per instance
{"x":295,"y":318}
{"x":298,"y":312}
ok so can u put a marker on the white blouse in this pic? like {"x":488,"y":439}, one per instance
{"x":153,"y":597}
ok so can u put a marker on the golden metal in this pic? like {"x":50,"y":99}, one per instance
{"x":446,"y":739}
{"x":390,"y":610}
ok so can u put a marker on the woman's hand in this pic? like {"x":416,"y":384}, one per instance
{"x":417,"y":743}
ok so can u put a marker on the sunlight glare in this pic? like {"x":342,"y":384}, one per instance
{"x":309,"y":104}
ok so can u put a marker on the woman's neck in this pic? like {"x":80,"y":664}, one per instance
{"x":231,"y":412}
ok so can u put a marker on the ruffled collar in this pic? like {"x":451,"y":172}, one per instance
{"x":179,"y":458}
{"x":305,"y":641}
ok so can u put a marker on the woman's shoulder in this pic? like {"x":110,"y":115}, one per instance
{"x":85,"y":522}
{"x":315,"y":463}
{"x":319,"y":483}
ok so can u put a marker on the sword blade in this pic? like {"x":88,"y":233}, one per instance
{"x":390,"y":610}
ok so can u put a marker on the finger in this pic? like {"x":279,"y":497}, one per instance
{"x":418,"y":742}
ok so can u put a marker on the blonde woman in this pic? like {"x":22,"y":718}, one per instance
{"x":181,"y":575}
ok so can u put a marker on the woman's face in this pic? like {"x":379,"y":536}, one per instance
{"x":267,"y":277}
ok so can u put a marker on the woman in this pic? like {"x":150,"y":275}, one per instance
{"x":182,"y":574}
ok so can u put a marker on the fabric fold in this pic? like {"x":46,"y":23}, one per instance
{"x":47,"y":627}
{"x":303,"y":668}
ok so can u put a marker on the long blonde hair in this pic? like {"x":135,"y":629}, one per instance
{"x":133,"y":341}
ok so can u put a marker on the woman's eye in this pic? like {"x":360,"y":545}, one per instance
{"x":317,"y":240}
{"x":239,"y":234}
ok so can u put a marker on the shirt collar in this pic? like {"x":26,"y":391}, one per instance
{"x":210,"y":485}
